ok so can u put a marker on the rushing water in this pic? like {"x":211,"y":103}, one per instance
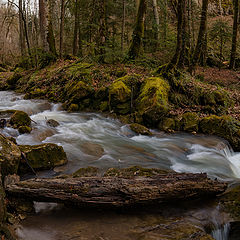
{"x":84,"y":134}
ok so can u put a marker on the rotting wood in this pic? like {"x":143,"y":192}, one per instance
{"x":113,"y":191}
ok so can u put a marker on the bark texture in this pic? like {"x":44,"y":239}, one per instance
{"x":113,"y":191}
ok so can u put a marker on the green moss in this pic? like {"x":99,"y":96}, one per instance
{"x":44,"y":156}
{"x":230,"y":200}
{"x":152,"y":102}
{"x":10,"y":156}
{"x":224,"y":126}
{"x":104,"y":106}
{"x":79,"y":71}
{"x":20,"y":118}
{"x":168,"y":124}
{"x":189,"y":122}
{"x":37,"y":93}
{"x":86,"y":172}
{"x":24,"y":129}
{"x":140,"y":129}
{"x":77,"y":91}
{"x":133,"y":171}
{"x":119,"y":92}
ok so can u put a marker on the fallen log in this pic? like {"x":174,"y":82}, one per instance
{"x":113,"y":191}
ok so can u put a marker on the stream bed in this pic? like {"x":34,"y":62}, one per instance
{"x":91,"y":139}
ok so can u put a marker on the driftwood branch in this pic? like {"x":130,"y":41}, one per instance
{"x":113,"y":191}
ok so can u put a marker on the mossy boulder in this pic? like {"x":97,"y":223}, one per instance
{"x":222,"y":126}
{"x":152,"y":102}
{"x":10,"y":156}
{"x":140,"y":129}
{"x":77,"y":91}
{"x":230,"y":200}
{"x":44,"y":156}
{"x":24,"y":129}
{"x":167,"y":125}
{"x":36,"y":93}
{"x":20,"y":118}
{"x":86,"y":172}
{"x":73,"y":108}
{"x":119,"y":93}
{"x":189,"y":122}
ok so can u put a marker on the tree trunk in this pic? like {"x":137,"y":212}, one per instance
{"x":175,"y":60}
{"x":201,"y":35}
{"x":101,"y":38}
{"x":76,"y":27}
{"x":156,"y":17}
{"x":138,"y":33}
{"x":50,"y":34}
{"x":21,"y":29}
{"x":61,"y":28}
{"x":43,"y":24}
{"x":234,"y":36}
{"x":123,"y":23}
{"x":113,"y":191}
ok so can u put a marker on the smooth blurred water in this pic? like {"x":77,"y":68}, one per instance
{"x":91,"y":139}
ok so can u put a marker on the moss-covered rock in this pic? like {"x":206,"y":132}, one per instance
{"x":189,"y":122}
{"x":36,"y":93}
{"x":119,"y":93}
{"x":52,"y":123}
{"x":104,"y":106}
{"x":93,"y":149}
{"x":167,"y":124}
{"x":76,"y":91}
{"x":20,"y":118}
{"x":10,"y":156}
{"x":224,"y":126}
{"x":140,"y":129}
{"x":44,"y":156}
{"x":73,"y":108}
{"x":24,"y":129}
{"x":134,"y":171}
{"x":152,"y":102}
{"x":230,"y":200}
{"x":86,"y":172}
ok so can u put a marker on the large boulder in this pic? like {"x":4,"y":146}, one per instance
{"x":20,"y":118}
{"x":10,"y":156}
{"x":152,"y":102}
{"x":222,"y":126}
{"x":44,"y":156}
{"x":189,"y":122}
{"x":120,"y":97}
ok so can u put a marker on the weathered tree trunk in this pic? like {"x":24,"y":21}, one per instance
{"x":76,"y":27}
{"x":201,"y":35}
{"x":113,"y":191}
{"x":234,"y":36}
{"x":123,"y":23}
{"x":61,"y":28}
{"x":101,"y":41}
{"x":156,"y":17}
{"x":43,"y":24}
{"x":138,"y":33}
{"x":175,"y":60}
{"x":21,"y":28}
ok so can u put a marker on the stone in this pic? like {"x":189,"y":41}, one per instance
{"x":24,"y":129}
{"x":189,"y":122}
{"x":140,"y":129}
{"x":52,"y":123}
{"x":93,"y":149}
{"x":20,"y":118}
{"x":10,"y":156}
{"x":44,"y":156}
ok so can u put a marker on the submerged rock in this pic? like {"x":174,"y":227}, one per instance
{"x":24,"y":129}
{"x":44,"y":156}
{"x":93,"y":149}
{"x":140,"y":129}
{"x":52,"y":123}
{"x":86,"y":172}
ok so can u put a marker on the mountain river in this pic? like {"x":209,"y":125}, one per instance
{"x":78,"y":133}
